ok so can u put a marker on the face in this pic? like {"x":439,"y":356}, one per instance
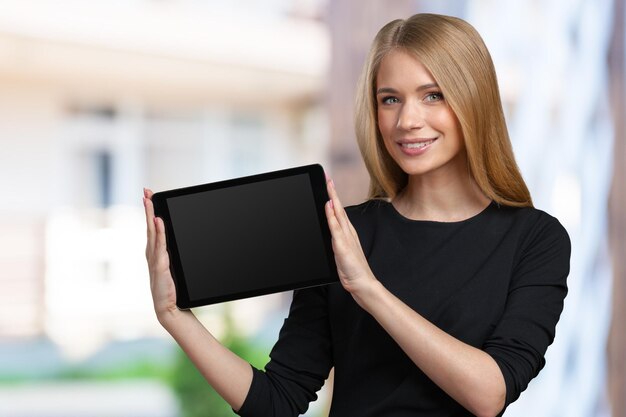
{"x":419,"y":129}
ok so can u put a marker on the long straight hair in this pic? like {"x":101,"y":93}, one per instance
{"x":459,"y":61}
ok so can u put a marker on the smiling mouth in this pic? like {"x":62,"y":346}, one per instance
{"x":417,"y":145}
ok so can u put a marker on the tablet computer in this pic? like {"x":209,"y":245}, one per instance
{"x":248,"y":236}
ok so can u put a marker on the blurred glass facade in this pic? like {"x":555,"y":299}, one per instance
{"x":99,"y":99}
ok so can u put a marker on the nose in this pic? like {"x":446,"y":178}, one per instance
{"x":410,"y":116}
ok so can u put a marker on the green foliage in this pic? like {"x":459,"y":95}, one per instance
{"x":196,"y":397}
{"x":127,"y":370}
{"x":138,"y":369}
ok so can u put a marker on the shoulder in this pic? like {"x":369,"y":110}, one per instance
{"x":543,"y":243}
{"x":536,"y":225}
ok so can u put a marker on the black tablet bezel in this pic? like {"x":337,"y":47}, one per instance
{"x":317,"y":177}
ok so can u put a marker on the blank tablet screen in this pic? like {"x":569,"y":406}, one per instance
{"x":249,"y":239}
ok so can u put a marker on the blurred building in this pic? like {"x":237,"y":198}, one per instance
{"x":99,"y":99}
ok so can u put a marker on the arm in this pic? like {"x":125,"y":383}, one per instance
{"x":469,"y":375}
{"x":228,"y":374}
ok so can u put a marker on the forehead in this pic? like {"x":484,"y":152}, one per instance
{"x":400,"y":68}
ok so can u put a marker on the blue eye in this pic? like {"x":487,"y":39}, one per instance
{"x":389,"y":100}
{"x":435,"y":96}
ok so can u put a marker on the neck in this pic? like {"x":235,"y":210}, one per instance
{"x":445,"y":198}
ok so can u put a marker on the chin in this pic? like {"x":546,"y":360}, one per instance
{"x":432,"y":164}
{"x":416,"y":168}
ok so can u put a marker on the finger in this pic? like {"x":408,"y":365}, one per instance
{"x":332,"y":192}
{"x":333,"y":224}
{"x":148,"y":193}
{"x":161,"y":245}
{"x":340,"y":213}
{"x":150,"y":227}
{"x":337,"y":232}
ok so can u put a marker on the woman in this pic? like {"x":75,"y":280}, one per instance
{"x":451,"y":282}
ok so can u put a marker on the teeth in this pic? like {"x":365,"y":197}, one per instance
{"x":417,"y":145}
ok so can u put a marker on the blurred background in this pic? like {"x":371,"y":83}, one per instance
{"x":99,"y":99}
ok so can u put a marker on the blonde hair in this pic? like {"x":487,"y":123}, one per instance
{"x":459,"y":61}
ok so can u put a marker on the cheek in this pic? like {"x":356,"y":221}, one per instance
{"x":442,"y":119}
{"x":386,"y":124}
{"x":447,"y":122}
{"x":385,"y":129}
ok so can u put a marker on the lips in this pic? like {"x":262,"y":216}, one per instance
{"x":414,"y":147}
{"x":417,"y":145}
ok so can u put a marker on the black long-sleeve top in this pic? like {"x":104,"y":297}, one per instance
{"x":496,"y":281}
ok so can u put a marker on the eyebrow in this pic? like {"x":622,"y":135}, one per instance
{"x":387,"y":90}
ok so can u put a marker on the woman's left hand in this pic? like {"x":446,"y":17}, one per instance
{"x":354,"y":271}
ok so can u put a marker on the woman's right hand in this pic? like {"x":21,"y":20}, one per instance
{"x":161,"y":281}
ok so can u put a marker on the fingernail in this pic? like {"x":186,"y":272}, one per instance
{"x":332,"y":206}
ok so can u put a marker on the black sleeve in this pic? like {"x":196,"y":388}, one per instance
{"x":300,"y":361}
{"x":534,"y":304}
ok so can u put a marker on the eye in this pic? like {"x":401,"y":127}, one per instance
{"x":434,"y":96}
{"x":389,"y":100}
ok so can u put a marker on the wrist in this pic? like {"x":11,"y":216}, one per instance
{"x":368,"y":292}
{"x":169,"y":317}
